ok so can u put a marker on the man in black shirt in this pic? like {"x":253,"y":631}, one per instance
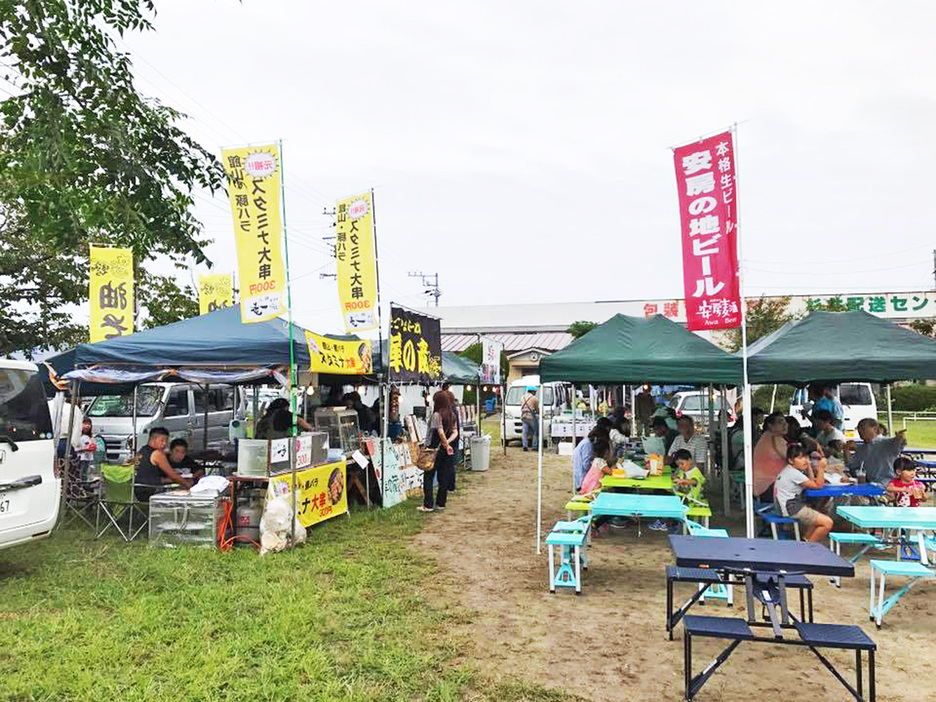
{"x":181,"y":462}
{"x":153,"y":469}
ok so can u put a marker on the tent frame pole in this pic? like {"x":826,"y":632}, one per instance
{"x":539,"y":481}
{"x":726,"y":475}
{"x":890,"y":412}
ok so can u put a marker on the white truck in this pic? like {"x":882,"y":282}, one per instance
{"x":553,"y":397}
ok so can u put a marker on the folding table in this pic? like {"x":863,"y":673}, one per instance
{"x":918,"y":519}
{"x":651,"y":482}
{"x":625,"y":504}
{"x":764,"y":563}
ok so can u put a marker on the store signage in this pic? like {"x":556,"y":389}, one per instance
{"x":357,"y":262}
{"x":339,"y":356}
{"x":254,"y":187}
{"x":490,"y":361}
{"x":321,"y":492}
{"x":111,"y":293}
{"x":215,"y":292}
{"x":705,"y":178}
{"x":415,"y":347}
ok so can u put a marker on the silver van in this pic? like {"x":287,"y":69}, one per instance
{"x":179,"y":407}
{"x":29,"y":485}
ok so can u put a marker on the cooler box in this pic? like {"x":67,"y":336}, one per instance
{"x":181,"y":519}
{"x":480,"y":453}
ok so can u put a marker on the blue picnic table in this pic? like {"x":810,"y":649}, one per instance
{"x":851,"y":489}
{"x":918,"y":519}
{"x":625,"y":504}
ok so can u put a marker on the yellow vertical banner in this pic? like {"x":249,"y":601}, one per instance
{"x":357,"y":263}
{"x":254,"y":186}
{"x":215,"y":292}
{"x":111,"y":293}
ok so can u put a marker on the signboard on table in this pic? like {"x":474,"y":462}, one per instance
{"x":303,"y":451}
{"x":357,"y":262}
{"x":254,"y":186}
{"x":388,"y":466}
{"x":341,"y":357}
{"x":415,"y":347}
{"x":490,"y":361}
{"x":321,"y":492}
{"x":215,"y":292}
{"x":111,"y":293}
{"x":705,"y":178}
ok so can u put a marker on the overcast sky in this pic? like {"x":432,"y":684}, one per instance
{"x":522,"y":149}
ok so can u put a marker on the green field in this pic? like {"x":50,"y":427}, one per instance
{"x":343,"y":617}
{"x":919,"y":434}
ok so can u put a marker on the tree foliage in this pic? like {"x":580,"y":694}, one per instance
{"x":475,"y":353}
{"x":84,"y":157}
{"x":762,"y":317}
{"x":926,"y":327}
{"x":580,"y":328}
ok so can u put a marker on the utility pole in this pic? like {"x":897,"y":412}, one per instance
{"x":430,"y":281}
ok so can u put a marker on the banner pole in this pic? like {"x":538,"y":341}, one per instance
{"x":539,"y":480}
{"x":386,"y":371}
{"x":746,"y":401}
{"x":292,"y":352}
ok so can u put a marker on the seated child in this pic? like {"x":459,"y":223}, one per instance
{"x":796,"y":476}
{"x":687,"y":485}
{"x":602,"y":464}
{"x":905,"y":489}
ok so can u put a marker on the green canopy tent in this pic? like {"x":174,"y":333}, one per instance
{"x":837,"y":347}
{"x":841,"y":346}
{"x":458,"y":370}
{"x":631,"y":350}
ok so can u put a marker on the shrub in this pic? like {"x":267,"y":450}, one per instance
{"x":913,"y":398}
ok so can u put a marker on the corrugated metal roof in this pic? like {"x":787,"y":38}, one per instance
{"x":547,"y":341}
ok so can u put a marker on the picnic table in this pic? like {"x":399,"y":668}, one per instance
{"x":651,"y":482}
{"x":765,"y":565}
{"x":918,"y":519}
{"x":626,"y":504}
{"x":751,"y":558}
{"x":850,"y":489}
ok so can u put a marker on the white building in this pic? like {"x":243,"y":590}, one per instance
{"x":531,"y":331}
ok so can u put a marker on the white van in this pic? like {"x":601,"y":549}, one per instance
{"x":178,"y":407}
{"x":30,"y":487}
{"x":553,"y":397}
{"x":857,"y":403}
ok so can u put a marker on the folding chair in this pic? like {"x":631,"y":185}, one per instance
{"x":118,"y":503}
{"x":81,"y":497}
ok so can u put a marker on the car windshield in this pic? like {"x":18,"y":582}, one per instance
{"x":24,"y":414}
{"x":515,"y":394}
{"x":148,"y":399}
{"x":856,"y":394}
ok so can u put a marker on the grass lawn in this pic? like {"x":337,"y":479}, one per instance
{"x":342,"y":617}
{"x":919,"y":434}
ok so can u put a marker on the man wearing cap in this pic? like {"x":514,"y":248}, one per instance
{"x":529,"y":415}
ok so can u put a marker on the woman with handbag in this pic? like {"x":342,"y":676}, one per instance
{"x":443,"y":431}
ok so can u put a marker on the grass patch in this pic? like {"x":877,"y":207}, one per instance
{"x":340,"y":618}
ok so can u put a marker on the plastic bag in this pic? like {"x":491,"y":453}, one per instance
{"x":274,"y":524}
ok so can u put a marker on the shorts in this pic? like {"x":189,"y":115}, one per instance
{"x":807,"y":516}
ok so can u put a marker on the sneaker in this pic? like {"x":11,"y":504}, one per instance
{"x":658,"y":525}
{"x":423,"y":508}
{"x":619,"y":523}
{"x":439,"y":508}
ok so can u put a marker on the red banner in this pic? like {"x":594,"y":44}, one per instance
{"x":705,"y":177}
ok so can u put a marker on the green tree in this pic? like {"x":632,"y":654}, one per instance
{"x":580,"y":328}
{"x":84,"y":157}
{"x":475,"y":353}
{"x":762,"y":317}
{"x":926,"y":327}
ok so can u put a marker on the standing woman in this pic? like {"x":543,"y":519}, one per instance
{"x":770,"y":456}
{"x":443,"y":432}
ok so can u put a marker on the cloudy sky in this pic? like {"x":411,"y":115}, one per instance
{"x":522,"y":149}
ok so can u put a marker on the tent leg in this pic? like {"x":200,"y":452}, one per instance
{"x":773,"y":398}
{"x":890,"y":411}
{"x":710,"y":434}
{"x":539,"y":483}
{"x":726,"y":476}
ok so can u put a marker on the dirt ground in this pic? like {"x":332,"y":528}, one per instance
{"x":610,"y":643}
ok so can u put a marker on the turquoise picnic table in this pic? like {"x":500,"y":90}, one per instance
{"x":918,"y":519}
{"x":624,"y":504}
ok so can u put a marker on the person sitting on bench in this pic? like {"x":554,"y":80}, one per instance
{"x":153,"y":470}
{"x":788,"y":492}
{"x":602,"y":464}
{"x":181,"y":462}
